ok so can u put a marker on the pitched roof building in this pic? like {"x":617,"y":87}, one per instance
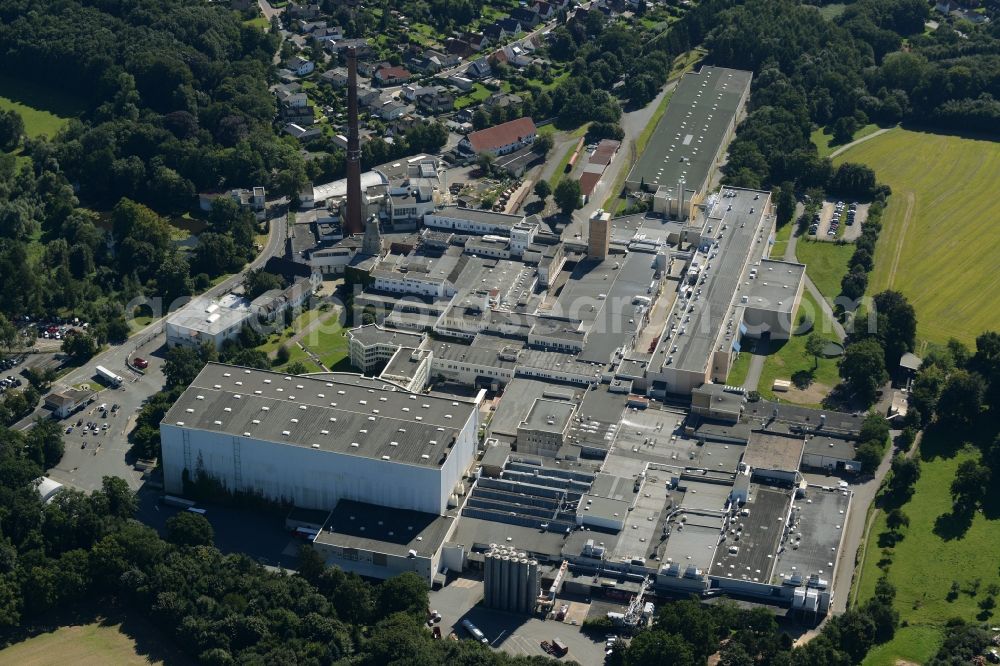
{"x":501,"y":139}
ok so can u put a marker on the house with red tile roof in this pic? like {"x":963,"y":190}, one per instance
{"x":501,"y":139}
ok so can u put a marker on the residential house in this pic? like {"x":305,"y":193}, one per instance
{"x":462,"y":83}
{"x":526,"y":17}
{"x":305,"y":27}
{"x":501,"y":139}
{"x":308,"y":11}
{"x":510,"y":26}
{"x":302,"y":133}
{"x":253,"y":200}
{"x":431,"y":62}
{"x":478,"y":69}
{"x":392,"y":110}
{"x":545,"y":10}
{"x":476,"y":41}
{"x":410,"y":91}
{"x":368,"y":97}
{"x":292,"y":99}
{"x":300,"y":66}
{"x":368,"y":67}
{"x":335,"y":77}
{"x":458,"y":47}
{"x":495,"y":33}
{"x":502,"y":100}
{"x":335,"y":46}
{"x":391,"y":76}
{"x":435,"y":99}
{"x":340,"y":140}
{"x":321,"y":37}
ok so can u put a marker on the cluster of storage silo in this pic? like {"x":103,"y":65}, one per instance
{"x":511,"y":581}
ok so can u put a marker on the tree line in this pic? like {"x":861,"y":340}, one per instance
{"x":176,"y":97}
{"x":83,"y":551}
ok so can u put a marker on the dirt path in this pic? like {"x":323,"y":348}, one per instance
{"x":911,"y":200}
{"x":850,"y":145}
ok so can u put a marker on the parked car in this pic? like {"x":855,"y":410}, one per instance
{"x":140,"y":363}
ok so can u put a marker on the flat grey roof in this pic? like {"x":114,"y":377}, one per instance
{"x":517,"y":399}
{"x":775,"y":286}
{"x":478,"y":533}
{"x":702,"y":320}
{"x":612,"y":319}
{"x":758,"y":542}
{"x":372,"y":334}
{"x":814,"y":538}
{"x":700,"y":496}
{"x":211,"y":316}
{"x":690,"y":134}
{"x":369,"y":527}
{"x":840,"y":423}
{"x":694,"y":544}
{"x":774,"y":452}
{"x":454,"y":351}
{"x":549,"y":415}
{"x":830,"y":446}
{"x":404,"y":363}
{"x":383,"y":420}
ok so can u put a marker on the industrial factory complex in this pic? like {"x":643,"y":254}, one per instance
{"x":553,"y":412}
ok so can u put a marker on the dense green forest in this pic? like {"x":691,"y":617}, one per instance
{"x":176,"y":94}
{"x":810,"y":71}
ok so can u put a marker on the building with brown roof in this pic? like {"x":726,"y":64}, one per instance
{"x":501,"y":139}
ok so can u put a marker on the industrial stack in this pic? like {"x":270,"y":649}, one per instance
{"x":352,"y":221}
{"x":512,"y":581}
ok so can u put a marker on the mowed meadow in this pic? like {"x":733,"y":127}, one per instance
{"x":941,"y":229}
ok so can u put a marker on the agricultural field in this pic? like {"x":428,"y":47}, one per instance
{"x":924,"y":565}
{"x":939,"y":235}
{"x":789,"y":360}
{"x":92,"y":644}
{"x":44,"y":111}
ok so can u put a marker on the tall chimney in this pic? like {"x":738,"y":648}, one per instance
{"x":352,"y":220}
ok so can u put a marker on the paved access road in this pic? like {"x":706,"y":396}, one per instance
{"x":90,"y":457}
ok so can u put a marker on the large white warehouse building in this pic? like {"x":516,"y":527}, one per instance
{"x":314,"y":440}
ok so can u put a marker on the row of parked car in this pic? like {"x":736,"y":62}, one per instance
{"x":838,"y":215}
{"x":9,"y":382}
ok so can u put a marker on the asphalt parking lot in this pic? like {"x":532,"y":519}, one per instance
{"x":90,"y":457}
{"x":514,"y":634}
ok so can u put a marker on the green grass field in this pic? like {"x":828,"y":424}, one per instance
{"x":741,"y":366}
{"x":939,"y":233}
{"x":923,"y":565}
{"x":822,"y":139}
{"x":94,"y":644}
{"x":44,"y":111}
{"x":781,"y":237}
{"x":789,"y":357}
{"x":913,"y":644}
{"x":329,"y":343}
{"x":826,"y":264}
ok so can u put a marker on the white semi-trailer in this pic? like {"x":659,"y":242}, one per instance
{"x":108,"y":376}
